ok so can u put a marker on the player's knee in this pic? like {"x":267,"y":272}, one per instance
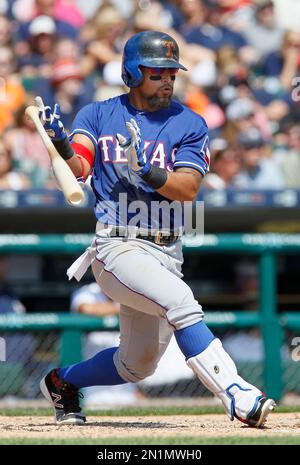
{"x":186,"y":313}
{"x":137,"y":370}
{"x":136,"y":374}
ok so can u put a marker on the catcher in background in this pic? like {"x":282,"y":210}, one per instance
{"x":146,"y":148}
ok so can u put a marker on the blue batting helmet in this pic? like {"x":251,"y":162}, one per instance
{"x":148,"y":48}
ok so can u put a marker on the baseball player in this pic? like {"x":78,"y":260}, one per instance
{"x":151,"y":148}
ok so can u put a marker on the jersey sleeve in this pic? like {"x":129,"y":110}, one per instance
{"x":86,"y":122}
{"x":193,"y":151}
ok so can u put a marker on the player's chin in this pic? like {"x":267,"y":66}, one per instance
{"x":160,"y":101}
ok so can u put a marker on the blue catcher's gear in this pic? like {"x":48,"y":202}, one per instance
{"x":148,"y":48}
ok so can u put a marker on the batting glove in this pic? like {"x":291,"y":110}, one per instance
{"x":51,"y":121}
{"x":134,"y":149}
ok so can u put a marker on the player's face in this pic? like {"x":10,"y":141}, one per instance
{"x":157,"y":86}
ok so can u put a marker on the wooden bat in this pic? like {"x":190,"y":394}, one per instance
{"x":63,"y":173}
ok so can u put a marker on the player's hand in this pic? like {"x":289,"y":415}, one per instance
{"x":51,"y":121}
{"x":134,"y":149}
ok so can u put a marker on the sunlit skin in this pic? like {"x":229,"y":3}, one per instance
{"x":152,"y":95}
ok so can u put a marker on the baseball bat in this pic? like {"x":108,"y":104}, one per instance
{"x":63,"y":173}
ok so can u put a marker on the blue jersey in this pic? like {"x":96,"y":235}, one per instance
{"x":174,"y":137}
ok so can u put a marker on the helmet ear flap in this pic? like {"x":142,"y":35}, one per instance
{"x":126,"y":76}
{"x":131,"y":77}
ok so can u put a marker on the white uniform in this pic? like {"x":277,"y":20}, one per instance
{"x":146,"y":278}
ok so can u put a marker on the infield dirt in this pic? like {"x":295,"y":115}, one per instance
{"x":285,"y":424}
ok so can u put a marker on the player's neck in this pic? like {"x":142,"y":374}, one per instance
{"x":138,"y":102}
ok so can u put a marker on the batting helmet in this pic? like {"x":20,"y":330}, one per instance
{"x":148,"y":48}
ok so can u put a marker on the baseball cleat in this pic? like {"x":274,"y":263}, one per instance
{"x":262,"y":408}
{"x":64,"y":398}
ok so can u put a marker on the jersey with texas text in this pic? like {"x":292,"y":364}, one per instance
{"x":174,"y":137}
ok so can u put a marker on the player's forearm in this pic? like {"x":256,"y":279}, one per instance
{"x":75,"y":166}
{"x":180,"y":186}
{"x":77,"y":163}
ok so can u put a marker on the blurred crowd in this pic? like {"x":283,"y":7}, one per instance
{"x":243,"y":58}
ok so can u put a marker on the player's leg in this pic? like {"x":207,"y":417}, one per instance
{"x":141,"y":280}
{"x":217,"y":371}
{"x":143,"y":340}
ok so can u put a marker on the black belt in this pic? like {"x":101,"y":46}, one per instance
{"x":159,"y":238}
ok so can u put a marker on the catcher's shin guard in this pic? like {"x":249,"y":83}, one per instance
{"x":217,"y":371}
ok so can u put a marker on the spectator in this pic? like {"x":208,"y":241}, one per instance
{"x":231,"y":69}
{"x":223,"y":86}
{"x":67,"y":49}
{"x":5,"y":32}
{"x":291,"y":159}
{"x":67,"y":10}
{"x":112,"y":84}
{"x":194,"y":13}
{"x":198,"y":94}
{"x":44,"y":7}
{"x":90,"y":300}
{"x":235,"y":82}
{"x":237,"y":14}
{"x":9,"y":303}
{"x":287,"y":14}
{"x":36,"y":62}
{"x":13,"y":94}
{"x":257,"y":172}
{"x":211,"y":33}
{"x":225,"y":165}
{"x":29,"y":154}
{"x":4,"y":7}
{"x":240,"y":117}
{"x":104,"y":34}
{"x":172,"y":13}
{"x":284,"y":63}
{"x":39,"y":8}
{"x":264,"y":34}
{"x":10,"y":179}
{"x":68,"y":87}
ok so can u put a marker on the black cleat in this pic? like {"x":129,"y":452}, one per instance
{"x":262,"y":408}
{"x":64,"y":398}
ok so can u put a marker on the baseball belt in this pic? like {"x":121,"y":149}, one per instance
{"x":159,"y":237}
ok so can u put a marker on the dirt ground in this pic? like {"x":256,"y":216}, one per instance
{"x":162,"y":426}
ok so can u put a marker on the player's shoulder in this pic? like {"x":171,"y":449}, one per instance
{"x":110,"y":102}
{"x":191,"y":118}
